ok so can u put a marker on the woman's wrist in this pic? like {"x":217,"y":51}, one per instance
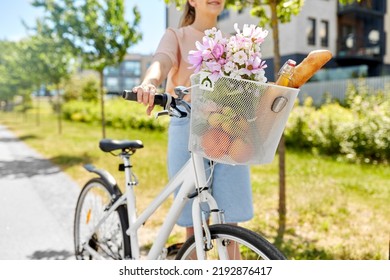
{"x":150,"y":82}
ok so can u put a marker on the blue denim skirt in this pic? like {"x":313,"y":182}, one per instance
{"x":231,"y":185}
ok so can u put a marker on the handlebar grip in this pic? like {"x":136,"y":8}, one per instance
{"x":129,"y":95}
{"x":159,"y":99}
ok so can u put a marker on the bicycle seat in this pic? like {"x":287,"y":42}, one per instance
{"x":109,"y":145}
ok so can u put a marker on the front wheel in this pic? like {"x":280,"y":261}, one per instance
{"x":238,"y":244}
{"x":94,"y":238}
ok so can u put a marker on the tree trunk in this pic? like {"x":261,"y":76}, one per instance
{"x":24,"y":112}
{"x":38,"y":120}
{"x":102,"y":104}
{"x":59,"y":110}
{"x":282,"y":209}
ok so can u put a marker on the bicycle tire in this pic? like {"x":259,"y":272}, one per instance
{"x":110,"y":240}
{"x":251,"y":245}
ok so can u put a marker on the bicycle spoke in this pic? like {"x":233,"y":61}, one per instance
{"x":109,"y":237}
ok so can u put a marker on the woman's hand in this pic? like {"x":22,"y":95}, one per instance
{"x":145,"y":95}
{"x":154,"y":76}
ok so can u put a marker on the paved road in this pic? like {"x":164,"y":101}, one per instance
{"x":37,"y":203}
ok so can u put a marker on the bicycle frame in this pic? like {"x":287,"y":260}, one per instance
{"x":191,"y":177}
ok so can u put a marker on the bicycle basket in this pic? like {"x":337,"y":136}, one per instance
{"x":238,"y":121}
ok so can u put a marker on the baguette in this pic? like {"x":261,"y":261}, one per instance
{"x":309,"y":66}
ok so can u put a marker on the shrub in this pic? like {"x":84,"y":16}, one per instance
{"x":118,"y":114}
{"x":298,"y":132}
{"x":82,"y":88}
{"x":330,"y":130}
{"x":360,"y":130}
{"x":368,"y":137}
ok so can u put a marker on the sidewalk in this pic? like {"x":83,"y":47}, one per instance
{"x":37,"y":204}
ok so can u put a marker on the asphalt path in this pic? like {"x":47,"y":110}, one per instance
{"x":37,"y":202}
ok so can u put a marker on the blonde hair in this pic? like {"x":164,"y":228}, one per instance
{"x":188,"y":15}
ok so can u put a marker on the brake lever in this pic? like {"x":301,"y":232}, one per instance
{"x":175,"y":112}
{"x":171,"y":108}
{"x":161,"y":113}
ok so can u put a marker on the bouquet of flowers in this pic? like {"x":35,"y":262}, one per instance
{"x":236,"y":57}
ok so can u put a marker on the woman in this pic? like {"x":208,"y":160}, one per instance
{"x":231,"y":185}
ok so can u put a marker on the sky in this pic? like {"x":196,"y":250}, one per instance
{"x":152,"y":25}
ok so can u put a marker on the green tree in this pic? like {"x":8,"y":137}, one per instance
{"x":42,"y":61}
{"x":15,"y":77}
{"x":96,"y":30}
{"x":31,"y":69}
{"x":8,"y":57}
{"x":55,"y":61}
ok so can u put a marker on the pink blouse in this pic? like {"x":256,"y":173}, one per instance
{"x":176,"y":43}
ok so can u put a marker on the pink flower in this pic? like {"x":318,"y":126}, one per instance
{"x":206,"y":48}
{"x":215,"y":69}
{"x":195,"y":58}
{"x":254,"y":64}
{"x":218,"y":51}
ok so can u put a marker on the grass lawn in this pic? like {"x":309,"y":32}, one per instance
{"x":336,"y":210}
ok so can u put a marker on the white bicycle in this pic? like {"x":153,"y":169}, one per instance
{"x":106,"y":223}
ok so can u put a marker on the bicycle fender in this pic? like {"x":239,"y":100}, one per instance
{"x":105,"y":175}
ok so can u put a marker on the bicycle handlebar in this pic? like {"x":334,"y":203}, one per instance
{"x":160,"y":99}
{"x":165,"y":100}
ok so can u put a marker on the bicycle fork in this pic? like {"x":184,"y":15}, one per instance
{"x":201,"y":228}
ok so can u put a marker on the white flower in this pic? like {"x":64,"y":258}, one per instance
{"x":240,"y":57}
{"x":229,"y":66}
{"x":260,"y":76}
{"x":235,"y":75}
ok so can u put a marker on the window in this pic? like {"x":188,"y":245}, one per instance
{"x":324,"y":33}
{"x":132,"y":67}
{"x":110,"y":70}
{"x":347,"y":37}
{"x":311,"y":31}
{"x":112,"y":83}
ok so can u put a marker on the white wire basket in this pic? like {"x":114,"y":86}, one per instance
{"x":238,"y":121}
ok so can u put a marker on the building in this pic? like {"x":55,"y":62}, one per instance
{"x":126,"y":75}
{"x":357,"y":34}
